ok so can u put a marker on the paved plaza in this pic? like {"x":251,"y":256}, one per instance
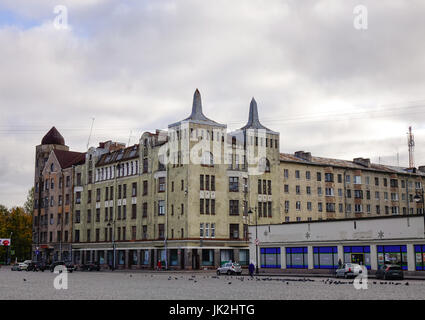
{"x":197,"y":285}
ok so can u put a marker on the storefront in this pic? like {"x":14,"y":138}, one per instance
{"x":395,"y":254}
{"x":207,"y":257}
{"x":420,"y":257}
{"x":270,"y":257}
{"x":357,"y":254}
{"x":325,"y":257}
{"x":174,"y":257}
{"x":244,"y":257}
{"x":297,"y":258}
{"x":226,"y":255}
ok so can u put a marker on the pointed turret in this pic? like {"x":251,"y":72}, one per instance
{"x":253,"y":120}
{"x":197,"y":116}
{"x":53,"y":137}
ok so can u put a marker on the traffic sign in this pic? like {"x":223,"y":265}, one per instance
{"x":5,"y":242}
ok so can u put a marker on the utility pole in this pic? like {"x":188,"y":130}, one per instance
{"x":411,"y":147}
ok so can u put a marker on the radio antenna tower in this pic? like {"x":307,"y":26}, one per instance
{"x":411,"y":145}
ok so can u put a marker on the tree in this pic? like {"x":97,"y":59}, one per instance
{"x":18,"y":223}
{"x":29,"y":204}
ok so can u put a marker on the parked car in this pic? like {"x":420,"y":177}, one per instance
{"x":390,"y":271}
{"x":230,"y":268}
{"x":37,"y":266}
{"x":69,"y":266}
{"x":16,"y":267}
{"x":90,"y":266}
{"x":348,"y":270}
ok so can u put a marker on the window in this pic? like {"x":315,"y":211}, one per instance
{"x":297,"y":190}
{"x":161,"y":231}
{"x":376,"y":181}
{"x":161,"y":184}
{"x":286,"y":188}
{"x":212,"y":206}
{"x":77,"y":216}
{"x":88,"y":216}
{"x":133,"y":211}
{"x":201,"y":230}
{"x":298,"y":205}
{"x":319,"y":176}
{"x":212,"y":183}
{"x":201,"y":206}
{"x":133,"y":233}
{"x":319,"y":191}
{"x":161,"y":207}
{"x":330,"y":207}
{"x":297,"y":174}
{"x":347,"y":178}
{"x":233,"y":184}
{"x":234,"y":207}
{"x":145,"y":210}
{"x":207,"y":159}
{"x":358,"y":208}
{"x":357,"y":180}
{"x":339,"y":178}
{"x":358,"y":194}
{"x":307,"y":175}
{"x":145,"y":187}
{"x":134,"y":189}
{"x":319,"y":207}
{"x":329,"y":177}
{"x":329,"y":192}
{"x":286,"y":173}
{"x":385,"y":182}
{"x":234,"y":231}
{"x":394,"y":183}
{"x":309,"y":207}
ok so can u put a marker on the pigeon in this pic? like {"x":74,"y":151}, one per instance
{"x":25,"y":279}
{"x":229,"y":283}
{"x":407,"y":283}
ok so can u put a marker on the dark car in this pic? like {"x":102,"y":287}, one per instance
{"x":390,"y":271}
{"x":34,"y":266}
{"x":90,"y":266}
{"x":69,"y":266}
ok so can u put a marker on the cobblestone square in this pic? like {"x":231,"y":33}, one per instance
{"x":197,"y":285}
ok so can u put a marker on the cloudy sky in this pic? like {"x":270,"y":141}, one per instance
{"x":326,"y":86}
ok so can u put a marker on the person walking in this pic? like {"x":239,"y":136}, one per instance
{"x":251,"y":269}
{"x":159,"y":266}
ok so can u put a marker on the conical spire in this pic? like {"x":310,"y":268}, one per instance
{"x":197,"y":115}
{"x":197,"y":107}
{"x":253,"y":114}
{"x":53,"y":137}
{"x":253,"y":120}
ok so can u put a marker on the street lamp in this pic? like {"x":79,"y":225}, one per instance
{"x":256,"y":237}
{"x":418,"y":198}
{"x":113,"y":243}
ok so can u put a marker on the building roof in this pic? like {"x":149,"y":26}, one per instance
{"x":53,"y":137}
{"x":253,"y":120}
{"x":69,"y":158}
{"x":197,"y":116}
{"x":119,"y":155}
{"x":356,"y":164}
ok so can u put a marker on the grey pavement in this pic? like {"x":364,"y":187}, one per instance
{"x":196,"y":286}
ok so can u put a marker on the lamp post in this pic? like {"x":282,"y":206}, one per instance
{"x":113,"y":243}
{"x":256,"y":237}
{"x":420,"y":198}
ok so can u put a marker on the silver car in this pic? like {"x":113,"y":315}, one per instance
{"x":230,"y":268}
{"x":348,"y":270}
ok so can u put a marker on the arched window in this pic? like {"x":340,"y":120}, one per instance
{"x":207,"y":159}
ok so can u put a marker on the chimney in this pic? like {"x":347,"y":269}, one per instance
{"x":362,"y":161}
{"x":303,"y":155}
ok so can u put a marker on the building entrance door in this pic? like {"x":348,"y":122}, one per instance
{"x":195,"y":259}
{"x":182,"y":259}
{"x":357,"y":258}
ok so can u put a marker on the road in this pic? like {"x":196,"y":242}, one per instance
{"x":199,"y":286}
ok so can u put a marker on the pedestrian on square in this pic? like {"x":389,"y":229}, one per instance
{"x":251,"y":269}
{"x":159,"y":266}
{"x":339,"y":264}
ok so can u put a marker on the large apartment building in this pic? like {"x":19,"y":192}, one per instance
{"x":186,"y":196}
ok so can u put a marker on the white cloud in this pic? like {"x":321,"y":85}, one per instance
{"x":134,"y":65}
